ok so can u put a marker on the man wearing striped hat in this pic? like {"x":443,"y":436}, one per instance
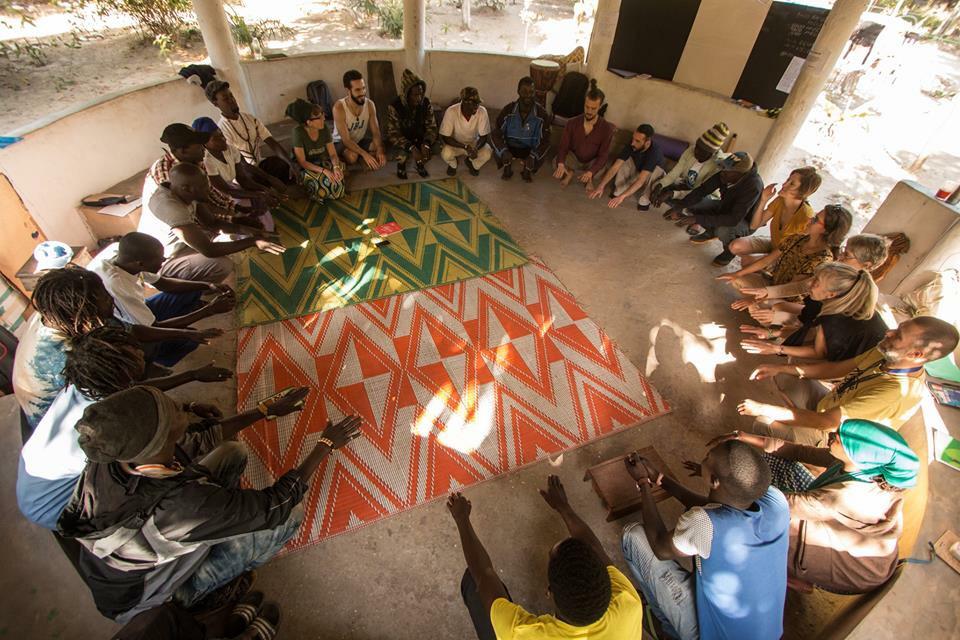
{"x":697,"y":163}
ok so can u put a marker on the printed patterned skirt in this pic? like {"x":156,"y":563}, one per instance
{"x":321,"y":187}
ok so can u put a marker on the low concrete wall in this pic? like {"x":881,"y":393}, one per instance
{"x":87,"y":151}
{"x":933,"y":227}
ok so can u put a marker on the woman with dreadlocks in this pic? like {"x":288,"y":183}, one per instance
{"x":70,"y":302}
{"x":99,"y":363}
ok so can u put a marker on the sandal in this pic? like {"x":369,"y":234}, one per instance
{"x":422,"y":170}
{"x":244,"y":613}
{"x":265,"y":626}
{"x":472,"y":169}
{"x":526,"y":175}
{"x":401,"y":172}
{"x":695,"y":229}
{"x":507,"y":172}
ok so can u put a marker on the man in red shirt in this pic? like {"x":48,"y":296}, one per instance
{"x":585,"y":144}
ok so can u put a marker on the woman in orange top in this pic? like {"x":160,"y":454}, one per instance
{"x":787,"y":215}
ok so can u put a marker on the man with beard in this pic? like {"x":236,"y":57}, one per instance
{"x":248,"y":134}
{"x":465,"y":131}
{"x":882,"y":385}
{"x":522,"y":132}
{"x":354,"y":116}
{"x":586,"y":141}
{"x":411,"y":125}
{"x":636,"y":169}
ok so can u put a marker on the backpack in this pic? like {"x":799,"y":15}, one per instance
{"x":319,"y":94}
{"x":569,"y":99}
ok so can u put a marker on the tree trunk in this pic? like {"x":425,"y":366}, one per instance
{"x":465,"y":13}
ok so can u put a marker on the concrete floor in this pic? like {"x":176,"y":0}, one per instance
{"x":647,"y":286}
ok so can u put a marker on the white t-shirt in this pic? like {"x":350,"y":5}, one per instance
{"x":226,"y":169}
{"x":126,"y":288}
{"x":693,"y":535}
{"x":164,"y":213}
{"x":38,"y":368}
{"x":462,"y":130}
{"x":247,"y":134}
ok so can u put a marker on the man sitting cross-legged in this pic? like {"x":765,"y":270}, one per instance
{"x":159,"y":512}
{"x":586,"y":141}
{"x":355,"y":116}
{"x":125,"y":266}
{"x":522,"y":132}
{"x":695,"y":165}
{"x":411,"y":125}
{"x":465,"y":131}
{"x":179,"y":218}
{"x":884,"y":385}
{"x":99,"y":363}
{"x":738,"y":535}
{"x":592,"y":598}
{"x":635,"y":170}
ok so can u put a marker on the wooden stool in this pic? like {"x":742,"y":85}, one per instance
{"x":617,"y":488}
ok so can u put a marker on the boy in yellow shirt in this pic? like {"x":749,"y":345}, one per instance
{"x":593,"y":599}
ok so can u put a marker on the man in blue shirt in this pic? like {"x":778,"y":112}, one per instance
{"x":636,"y":169}
{"x":738,"y":536}
{"x":522,"y":132}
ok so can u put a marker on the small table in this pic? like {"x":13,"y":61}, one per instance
{"x":617,"y":488}
{"x":28,"y":276}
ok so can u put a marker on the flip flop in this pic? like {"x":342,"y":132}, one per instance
{"x":244,"y":613}
{"x":267,"y":622}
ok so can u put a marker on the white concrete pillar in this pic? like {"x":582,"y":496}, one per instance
{"x":837,"y":29}
{"x":222,"y":50}
{"x":415,"y":34}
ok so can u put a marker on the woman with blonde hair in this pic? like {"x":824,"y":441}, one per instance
{"x":787,"y":214}
{"x":839,"y":319}
{"x":768,"y":305}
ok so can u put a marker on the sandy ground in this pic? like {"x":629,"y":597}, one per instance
{"x":111,"y":57}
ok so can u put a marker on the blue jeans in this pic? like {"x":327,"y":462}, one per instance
{"x":666,"y":586}
{"x":239,"y":554}
{"x":165,"y":306}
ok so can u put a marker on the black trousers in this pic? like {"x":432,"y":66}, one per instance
{"x":478,"y":613}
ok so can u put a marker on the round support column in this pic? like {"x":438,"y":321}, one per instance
{"x":222,"y":50}
{"x":414,"y":34}
{"x":837,"y":29}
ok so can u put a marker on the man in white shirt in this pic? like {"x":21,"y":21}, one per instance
{"x":465,"y":131}
{"x":248,"y":134}
{"x":127,"y":265}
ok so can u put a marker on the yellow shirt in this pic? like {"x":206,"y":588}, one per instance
{"x":797,"y":223}
{"x":890,"y":399}
{"x":623,"y":619}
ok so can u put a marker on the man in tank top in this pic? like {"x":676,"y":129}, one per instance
{"x":355,"y":124}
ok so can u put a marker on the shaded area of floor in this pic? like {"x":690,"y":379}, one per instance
{"x":640,"y":279}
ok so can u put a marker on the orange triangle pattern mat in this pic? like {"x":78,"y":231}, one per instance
{"x":455,"y":384}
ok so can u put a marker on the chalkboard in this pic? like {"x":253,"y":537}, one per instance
{"x":788,"y":31}
{"x":651,"y":35}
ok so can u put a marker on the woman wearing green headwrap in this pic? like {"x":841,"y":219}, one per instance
{"x":845,"y":523}
{"x":315,"y":152}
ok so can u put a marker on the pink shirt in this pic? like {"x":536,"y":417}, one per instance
{"x":595,"y":146}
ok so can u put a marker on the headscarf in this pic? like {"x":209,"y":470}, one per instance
{"x":205,"y":125}
{"x":877,"y":450}
{"x":129,"y":425}
{"x":300,"y":110}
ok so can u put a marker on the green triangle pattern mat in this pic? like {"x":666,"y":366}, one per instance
{"x":448,"y":235}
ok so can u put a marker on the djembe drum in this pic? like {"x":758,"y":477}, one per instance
{"x":544,"y":74}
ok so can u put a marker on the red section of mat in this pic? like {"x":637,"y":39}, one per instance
{"x":455,"y":384}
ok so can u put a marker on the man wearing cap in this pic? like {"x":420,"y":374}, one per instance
{"x":695,"y":165}
{"x":248,"y":134}
{"x":187,"y":145}
{"x":178,"y":217}
{"x":728,"y":218}
{"x":634,"y":170}
{"x":158,"y":510}
{"x":465,"y":131}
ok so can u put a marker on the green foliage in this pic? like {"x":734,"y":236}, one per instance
{"x":389,"y":14}
{"x":247,"y":34}
{"x":35,"y":51}
{"x":153,"y":17}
